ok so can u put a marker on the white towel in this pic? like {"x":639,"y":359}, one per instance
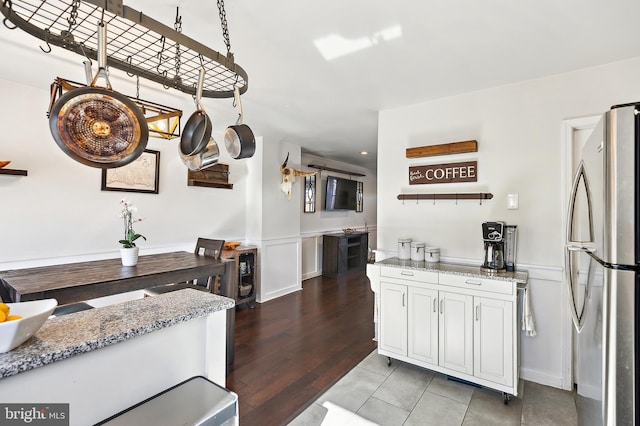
{"x":528,"y":320}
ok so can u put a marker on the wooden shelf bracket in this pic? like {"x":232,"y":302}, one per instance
{"x":449,"y":196}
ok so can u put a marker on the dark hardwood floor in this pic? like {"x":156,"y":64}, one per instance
{"x":291,"y":349}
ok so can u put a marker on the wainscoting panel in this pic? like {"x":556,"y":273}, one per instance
{"x":280,"y":268}
{"x":311,"y":257}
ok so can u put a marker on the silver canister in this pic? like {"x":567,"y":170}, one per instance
{"x":417,"y":251}
{"x":432,"y":254}
{"x":404,"y":248}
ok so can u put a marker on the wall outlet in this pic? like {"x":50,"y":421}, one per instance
{"x":512,"y":201}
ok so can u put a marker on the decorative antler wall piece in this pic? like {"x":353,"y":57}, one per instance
{"x":289,"y":177}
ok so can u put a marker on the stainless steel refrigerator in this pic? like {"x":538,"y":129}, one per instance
{"x":601,"y":256}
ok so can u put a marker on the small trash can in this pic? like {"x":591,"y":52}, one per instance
{"x":196,"y":401}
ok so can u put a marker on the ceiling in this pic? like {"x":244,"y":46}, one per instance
{"x":417,"y":51}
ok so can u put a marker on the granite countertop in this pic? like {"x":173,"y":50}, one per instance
{"x":69,"y":335}
{"x":519,"y":277}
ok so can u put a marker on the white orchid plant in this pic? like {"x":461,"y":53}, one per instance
{"x":130,"y":236}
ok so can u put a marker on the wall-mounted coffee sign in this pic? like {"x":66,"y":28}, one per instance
{"x":444,"y":173}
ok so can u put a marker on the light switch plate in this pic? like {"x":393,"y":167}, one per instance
{"x":512,"y":201}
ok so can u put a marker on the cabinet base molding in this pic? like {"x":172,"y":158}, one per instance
{"x":472,"y":380}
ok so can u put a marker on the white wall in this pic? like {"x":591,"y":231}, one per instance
{"x":278,"y":239}
{"x":519,"y":129}
{"x":58,"y":210}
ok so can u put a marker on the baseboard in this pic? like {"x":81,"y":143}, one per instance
{"x":279,"y":293}
{"x":311,"y":275}
{"x":541,"y":378}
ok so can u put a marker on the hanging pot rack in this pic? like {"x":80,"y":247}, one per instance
{"x":138,"y":44}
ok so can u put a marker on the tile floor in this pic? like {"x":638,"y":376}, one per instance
{"x":403,"y":394}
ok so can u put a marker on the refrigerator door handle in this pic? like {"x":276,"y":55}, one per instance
{"x":580,"y":176}
{"x":588,"y":246}
{"x":577,"y":317}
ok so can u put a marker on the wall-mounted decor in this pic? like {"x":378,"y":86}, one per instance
{"x":359,"y":197}
{"x":216,"y":176}
{"x":289,"y":177}
{"x":331,"y":169}
{"x":443,"y":149}
{"x":141,"y":175}
{"x":310,"y":194}
{"x":466,"y":171}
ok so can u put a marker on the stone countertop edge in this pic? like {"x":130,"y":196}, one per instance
{"x":69,"y":335}
{"x":519,"y":276}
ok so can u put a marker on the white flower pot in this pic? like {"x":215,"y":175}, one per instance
{"x":129,"y":256}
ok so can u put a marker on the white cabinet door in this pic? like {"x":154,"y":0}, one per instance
{"x":423,"y":324}
{"x":456,"y":332}
{"x":393,"y":318}
{"x":493,"y":337}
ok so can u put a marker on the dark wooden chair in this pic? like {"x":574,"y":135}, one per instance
{"x":211,"y":248}
{"x":204,"y":247}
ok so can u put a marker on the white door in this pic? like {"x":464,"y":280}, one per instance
{"x":456,"y":332}
{"x":423,"y":324}
{"x":493,"y":340}
{"x":393,"y":318}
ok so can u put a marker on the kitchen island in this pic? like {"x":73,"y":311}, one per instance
{"x":104,"y":360}
{"x":456,"y":319}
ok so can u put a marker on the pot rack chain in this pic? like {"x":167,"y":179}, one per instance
{"x":136,"y":43}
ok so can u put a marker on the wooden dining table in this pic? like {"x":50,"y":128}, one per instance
{"x":76,"y":282}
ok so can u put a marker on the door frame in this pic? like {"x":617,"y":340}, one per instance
{"x":569,"y":127}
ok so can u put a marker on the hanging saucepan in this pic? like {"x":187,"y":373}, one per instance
{"x":97,"y":126}
{"x":239,"y":139}
{"x":197,"y":131}
{"x":206,"y":158}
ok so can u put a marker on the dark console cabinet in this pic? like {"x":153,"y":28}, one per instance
{"x":344,"y":254}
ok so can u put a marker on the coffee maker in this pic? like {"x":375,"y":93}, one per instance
{"x":493,"y":236}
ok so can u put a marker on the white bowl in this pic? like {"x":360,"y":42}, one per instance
{"x":34,"y":314}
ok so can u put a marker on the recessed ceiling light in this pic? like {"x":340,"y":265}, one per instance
{"x":363,"y":152}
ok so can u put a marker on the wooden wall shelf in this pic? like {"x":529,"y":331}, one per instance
{"x":208,"y":184}
{"x":443,"y":149}
{"x":451,"y":196}
{"x":331,"y":169}
{"x":13,"y":172}
{"x":216,"y":176}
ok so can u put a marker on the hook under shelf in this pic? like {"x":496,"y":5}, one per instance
{"x":447,"y":196}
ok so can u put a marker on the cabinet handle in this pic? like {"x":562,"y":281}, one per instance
{"x":477,"y":312}
{"x":435,"y":305}
{"x":474,"y":282}
{"x":441,"y":307}
{"x":403,"y":300}
{"x":406,"y":273}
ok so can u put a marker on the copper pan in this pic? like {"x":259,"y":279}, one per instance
{"x":98,"y":126}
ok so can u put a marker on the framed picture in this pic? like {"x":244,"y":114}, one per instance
{"x":141,"y":175}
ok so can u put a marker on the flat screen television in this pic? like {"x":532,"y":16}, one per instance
{"x":341,"y":194}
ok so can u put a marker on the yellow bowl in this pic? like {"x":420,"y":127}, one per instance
{"x":231,"y":245}
{"x":34,"y":314}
